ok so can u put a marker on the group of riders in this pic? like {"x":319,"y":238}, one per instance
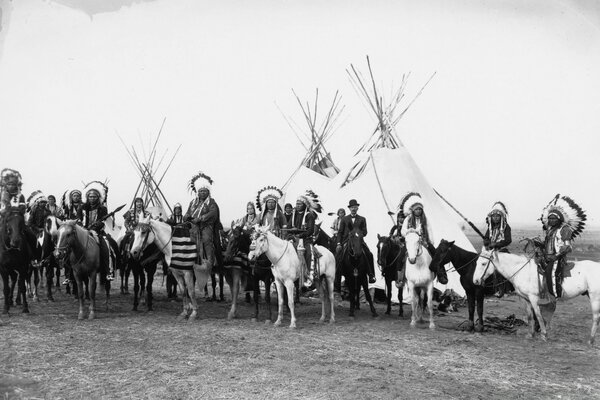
{"x":298,"y":223}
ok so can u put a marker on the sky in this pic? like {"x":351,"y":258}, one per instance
{"x":512,"y":114}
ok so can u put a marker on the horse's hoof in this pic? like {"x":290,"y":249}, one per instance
{"x":321,"y":320}
{"x":230,"y":316}
{"x":51,"y":299}
{"x":544,"y":337}
{"x":268,"y":322}
{"x":277,"y":323}
{"x":135,"y":308}
{"x":222,"y":298}
{"x":91,"y":316}
{"x":182,"y":316}
{"x":413,"y":324}
{"x":25,"y":311}
{"x":375,"y":315}
{"x":331,"y":321}
{"x":193,"y":315}
{"x":80,"y":317}
{"x":432,"y":327}
{"x":292,"y":326}
{"x":478,"y":328}
{"x":591,"y":342}
{"x":387,"y":312}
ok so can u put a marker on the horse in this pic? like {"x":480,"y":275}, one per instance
{"x":286,"y":267}
{"x":418,"y":276}
{"x":324,"y":276}
{"x":236,"y":265}
{"x":355,"y":269}
{"x":389,"y":260}
{"x":151,"y":241}
{"x":580,"y":278}
{"x":15,"y":253}
{"x":43,"y":262}
{"x":464,"y":262}
{"x":83,"y":250}
{"x":183,"y":258}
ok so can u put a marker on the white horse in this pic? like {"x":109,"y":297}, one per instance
{"x":419,"y":276}
{"x":324,"y":276}
{"x":149,"y":231}
{"x":286,"y":267}
{"x":580,"y":278}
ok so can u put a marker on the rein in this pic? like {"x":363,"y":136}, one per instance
{"x":287,"y":243}
{"x":61,"y":248}
{"x":510,"y":277}
{"x":145,"y":242}
{"x":386,"y":264}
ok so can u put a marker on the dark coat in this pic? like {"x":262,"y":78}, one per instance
{"x":308,"y":226}
{"x":501,"y":244}
{"x":83,"y":214}
{"x":346,"y":226}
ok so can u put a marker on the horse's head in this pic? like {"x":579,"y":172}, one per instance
{"x":143,"y":235}
{"x":383,"y":250}
{"x":66,"y":235}
{"x":238,"y":240}
{"x":260,"y":243}
{"x":51,"y":226}
{"x":485,"y":266}
{"x":355,"y":240}
{"x":13,"y":227}
{"x":414,"y":245}
{"x":441,"y":255}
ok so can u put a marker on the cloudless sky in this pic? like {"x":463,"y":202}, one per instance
{"x":513,"y":113}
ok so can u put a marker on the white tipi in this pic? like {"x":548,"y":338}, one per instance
{"x":383,"y":171}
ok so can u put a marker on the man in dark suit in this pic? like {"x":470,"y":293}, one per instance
{"x":347,"y":224}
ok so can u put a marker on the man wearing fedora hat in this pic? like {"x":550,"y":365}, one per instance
{"x":348,"y":223}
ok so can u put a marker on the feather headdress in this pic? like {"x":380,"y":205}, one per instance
{"x":67,"y":197}
{"x":408,"y":203}
{"x":311,"y":199}
{"x":200,"y":181}
{"x":500,"y":209}
{"x":267,"y":193}
{"x":10,"y":173}
{"x":569,"y":212}
{"x":35,"y":197}
{"x":99,"y":188}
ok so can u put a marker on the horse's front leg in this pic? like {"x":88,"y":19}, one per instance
{"x":471,"y":307}
{"x":400,"y":301}
{"x":136,"y":287}
{"x":7,"y":292}
{"x":93,"y":283}
{"x":280,"y":301}
{"x":430,"y":305}
{"x":414,"y":304}
{"x":351,"y":293}
{"x":151,"y":270}
{"x":191,"y":292}
{"x":22,"y":290}
{"x":221,"y":295}
{"x":388,"y":287}
{"x":49,"y":280}
{"x":320,"y":283}
{"x":365,"y":286}
{"x":595,"y":303}
{"x":479,"y":297}
{"x":538,"y":313}
{"x":234,"y":287}
{"x":268,"y":282}
{"x":256,"y":295}
{"x":80,"y":296}
{"x":290,"y":290}
{"x":331,"y":294}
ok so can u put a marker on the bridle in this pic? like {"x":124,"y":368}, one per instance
{"x":287,"y":243}
{"x":62,"y":250}
{"x":146,"y":228}
{"x":419,"y":242}
{"x":385,"y":264}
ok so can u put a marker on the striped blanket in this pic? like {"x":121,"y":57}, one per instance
{"x":184,"y":253}
{"x":240,"y":260}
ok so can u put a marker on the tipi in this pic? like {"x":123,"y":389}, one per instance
{"x":317,"y":168}
{"x":383,"y":171}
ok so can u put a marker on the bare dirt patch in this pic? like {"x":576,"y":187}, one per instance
{"x":126,"y":354}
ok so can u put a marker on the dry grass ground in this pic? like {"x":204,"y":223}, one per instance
{"x":149,"y":355}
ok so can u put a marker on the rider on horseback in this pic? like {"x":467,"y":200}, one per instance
{"x":497,"y":237}
{"x":251,"y":218}
{"x":92,"y":214}
{"x":562,"y":220}
{"x":271,"y":216}
{"x":132,"y":217}
{"x":203,"y":213}
{"x":303,"y":226}
{"x":53,"y":208}
{"x":348,"y":223}
{"x":399,"y":239}
{"x":37,"y":212}
{"x":412,"y":207}
{"x":71,"y":201}
{"x":10,"y":188}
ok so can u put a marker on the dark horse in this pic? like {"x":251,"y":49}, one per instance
{"x":355,"y":268}
{"x":464,"y":262}
{"x":389,"y":259}
{"x":259,"y":270}
{"x":16,"y":246}
{"x":44,"y":262}
{"x":143,"y":266}
{"x":83,"y":249}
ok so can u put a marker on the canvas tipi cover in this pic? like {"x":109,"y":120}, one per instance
{"x":387,"y":176}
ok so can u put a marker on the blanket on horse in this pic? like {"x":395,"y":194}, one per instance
{"x":184,"y":252}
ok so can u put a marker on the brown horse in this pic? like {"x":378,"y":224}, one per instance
{"x":389,"y":259}
{"x":83,"y":249}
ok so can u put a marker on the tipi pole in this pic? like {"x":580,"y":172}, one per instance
{"x":459,"y":213}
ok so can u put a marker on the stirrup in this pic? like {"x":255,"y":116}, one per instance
{"x":110,"y":277}
{"x":66,"y":282}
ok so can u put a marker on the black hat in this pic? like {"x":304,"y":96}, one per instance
{"x":353,"y":203}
